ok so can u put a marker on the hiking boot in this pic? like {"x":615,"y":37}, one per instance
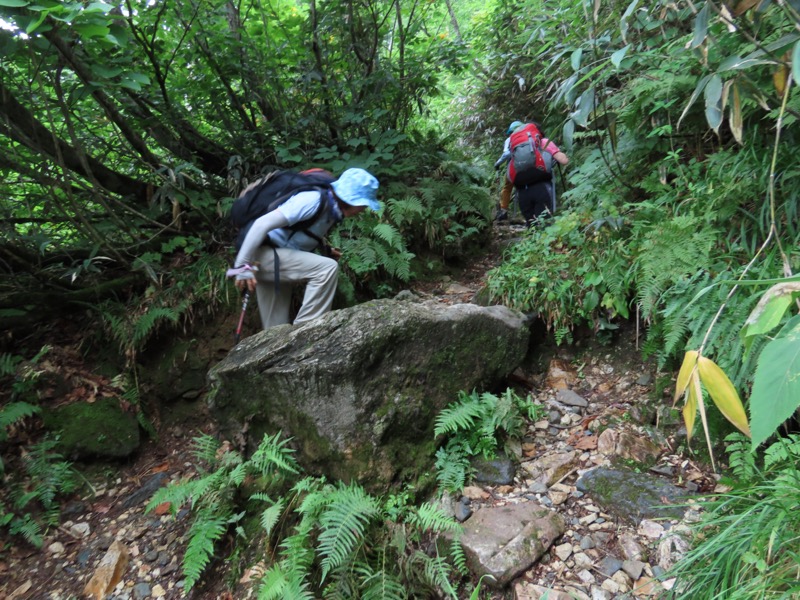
{"x":502,"y":215}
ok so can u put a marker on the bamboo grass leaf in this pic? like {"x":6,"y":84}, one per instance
{"x":687,"y":369}
{"x":700,"y":26}
{"x":723,"y":393}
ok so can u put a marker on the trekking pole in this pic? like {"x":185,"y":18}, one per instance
{"x":237,"y":336}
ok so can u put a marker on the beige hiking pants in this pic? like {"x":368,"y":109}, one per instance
{"x":318,"y":273}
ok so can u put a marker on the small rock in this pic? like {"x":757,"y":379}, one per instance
{"x":80,"y":530}
{"x":586,"y":576}
{"x":56,"y":548}
{"x":473,"y":492}
{"x":644,"y":379}
{"x":646,"y":587}
{"x":570,"y":398}
{"x":587,"y":543}
{"x":609,"y":565}
{"x":633,"y":568}
{"x":158,"y":591}
{"x":462,"y":510}
{"x":141,"y":591}
{"x":564,"y":551}
{"x":630,"y":547}
{"x":650,"y":529}
{"x":538,"y":487}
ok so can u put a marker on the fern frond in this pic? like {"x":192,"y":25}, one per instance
{"x":146,"y":324}
{"x":785,"y":451}
{"x":343,"y":525}
{"x":8,"y":363}
{"x":28,"y":528}
{"x":176,"y":494}
{"x":459,"y":416}
{"x":452,"y":465}
{"x":204,"y":447}
{"x":435,"y":570}
{"x":272,"y":453}
{"x":380,"y":583}
{"x":429,"y":517}
{"x":459,"y":556}
{"x":13,"y":413}
{"x":206,"y":530}
{"x":389,"y":234}
{"x":271,"y":515}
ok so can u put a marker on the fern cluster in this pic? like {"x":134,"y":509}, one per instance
{"x":321,"y":539}
{"x":477,"y":425}
{"x":34,"y":494}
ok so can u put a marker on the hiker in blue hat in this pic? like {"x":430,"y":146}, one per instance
{"x":273,"y":258}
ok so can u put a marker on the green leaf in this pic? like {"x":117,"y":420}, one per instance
{"x":92,"y":31}
{"x":617,"y":57}
{"x":14,"y":3}
{"x":99,"y":7}
{"x":770,"y":309}
{"x":796,"y":63}
{"x":697,"y":91}
{"x":623,"y":23}
{"x":700,"y":27}
{"x":576,"y":59}
{"x":713,"y":95}
{"x":776,"y":386}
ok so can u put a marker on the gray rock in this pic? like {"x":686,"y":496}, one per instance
{"x":633,"y":496}
{"x":550,"y":468}
{"x":587,"y":543}
{"x":633,"y":568}
{"x":537,"y":487}
{"x":570,"y":398}
{"x":497,"y":471}
{"x":644,"y":379}
{"x":358,"y":390}
{"x":144,"y":493}
{"x":505,"y":541}
{"x":463,"y":510}
{"x":609,"y":565}
{"x":141,"y":591}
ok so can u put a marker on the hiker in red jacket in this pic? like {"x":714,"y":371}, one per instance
{"x":530,"y":156}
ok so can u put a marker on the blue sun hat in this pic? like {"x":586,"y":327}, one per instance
{"x":357,"y":187}
{"x":513,"y":126}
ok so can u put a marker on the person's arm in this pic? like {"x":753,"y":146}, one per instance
{"x":506,"y":156}
{"x":252,"y":241}
{"x":558,"y":155}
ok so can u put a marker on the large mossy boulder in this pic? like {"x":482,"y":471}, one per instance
{"x":358,"y":390}
{"x":98,"y":429}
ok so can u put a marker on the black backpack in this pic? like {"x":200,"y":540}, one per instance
{"x":268,"y":193}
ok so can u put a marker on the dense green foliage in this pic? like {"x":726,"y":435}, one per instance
{"x":126,"y":133}
{"x":320,"y":538}
{"x":478,"y":426}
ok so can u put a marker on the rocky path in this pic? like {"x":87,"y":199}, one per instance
{"x":600,"y":418}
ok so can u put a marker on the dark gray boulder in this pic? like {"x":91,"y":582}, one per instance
{"x":359,"y":389}
{"x":634,"y":496}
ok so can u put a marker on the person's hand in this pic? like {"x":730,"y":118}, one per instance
{"x":246,"y":281}
{"x":334,"y":253}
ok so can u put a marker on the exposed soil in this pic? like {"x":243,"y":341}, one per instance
{"x":115,"y":508}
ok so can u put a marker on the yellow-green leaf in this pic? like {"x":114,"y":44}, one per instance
{"x":735,"y":118}
{"x":723,"y":393}
{"x":688,"y":366}
{"x":779,"y":79}
{"x":690,"y":408}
